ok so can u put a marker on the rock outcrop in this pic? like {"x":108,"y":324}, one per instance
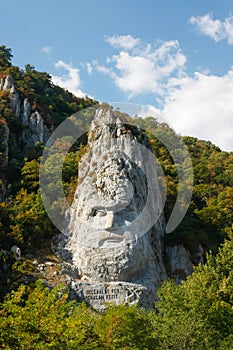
{"x":179,"y":262}
{"x":115,"y":224}
{"x":8,"y":85}
{"x":34,"y":129}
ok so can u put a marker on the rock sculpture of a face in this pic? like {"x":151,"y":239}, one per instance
{"x":115,"y":226}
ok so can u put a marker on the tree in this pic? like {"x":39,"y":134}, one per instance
{"x":5,"y":56}
{"x":42,"y":319}
{"x":126,"y":327}
{"x":198,"y":314}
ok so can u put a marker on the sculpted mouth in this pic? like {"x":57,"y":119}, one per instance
{"x":110,"y":234}
{"x":110,"y":237}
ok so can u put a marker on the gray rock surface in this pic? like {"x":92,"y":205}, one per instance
{"x":37,"y":124}
{"x":179,"y":261}
{"x":115,"y":224}
{"x":7,"y":84}
{"x":25,"y":111}
{"x":200,"y":255}
{"x":36,"y":130}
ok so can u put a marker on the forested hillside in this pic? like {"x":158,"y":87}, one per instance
{"x":198,"y":314}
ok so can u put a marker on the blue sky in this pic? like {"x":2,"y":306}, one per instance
{"x":176,"y":56}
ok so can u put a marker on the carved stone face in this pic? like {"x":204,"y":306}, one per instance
{"x":112,"y":231}
{"x":109,"y":202}
{"x":115,"y":206}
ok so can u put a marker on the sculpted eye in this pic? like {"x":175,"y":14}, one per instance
{"x":99,"y":212}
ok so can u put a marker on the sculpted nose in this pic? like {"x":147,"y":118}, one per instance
{"x":109,"y":220}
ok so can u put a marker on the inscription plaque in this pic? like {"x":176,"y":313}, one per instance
{"x":98,"y":295}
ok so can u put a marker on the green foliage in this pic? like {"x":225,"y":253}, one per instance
{"x":40,"y":320}
{"x":30,"y":172}
{"x":126,"y":327}
{"x":218,"y":210}
{"x":198,"y":314}
{"x":29,"y":221}
{"x":209,"y":217}
{"x":43,"y":319}
{"x":5,"y":56}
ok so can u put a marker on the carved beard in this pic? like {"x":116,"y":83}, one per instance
{"x":130,"y":262}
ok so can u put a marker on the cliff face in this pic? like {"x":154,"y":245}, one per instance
{"x":7,"y":84}
{"x":35,"y":129}
{"x":115,"y":228}
{"x":32,"y":124}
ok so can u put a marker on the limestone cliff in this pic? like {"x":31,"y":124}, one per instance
{"x":36,"y":129}
{"x":32,"y":124}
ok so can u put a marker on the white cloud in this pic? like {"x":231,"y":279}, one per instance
{"x":137,"y":74}
{"x":214,"y":28}
{"x":70,"y":81}
{"x":125,"y":42}
{"x":46,"y":49}
{"x":104,"y":70}
{"x":89,"y":68}
{"x":146,"y":69}
{"x":203,"y":107}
